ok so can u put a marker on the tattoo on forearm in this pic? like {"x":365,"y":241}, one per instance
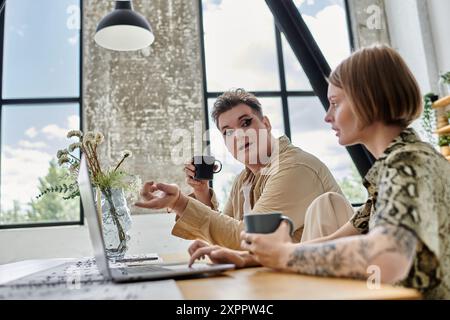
{"x":405,"y":239}
{"x":351,"y":257}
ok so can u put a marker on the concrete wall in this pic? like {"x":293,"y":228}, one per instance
{"x":369,"y":23}
{"x":136,"y":99}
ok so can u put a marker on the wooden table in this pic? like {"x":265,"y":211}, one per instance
{"x":264,"y":283}
{"x":246,"y":284}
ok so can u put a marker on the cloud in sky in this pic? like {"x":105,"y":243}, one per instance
{"x":312,"y":7}
{"x":31,"y":132}
{"x":211,"y":4}
{"x":323,"y":145}
{"x":26,"y":161}
{"x":72,"y":40}
{"x":54,"y":131}
{"x":240,"y":52}
{"x":307,"y":114}
{"x":23,"y":169}
{"x":32,"y":145}
{"x":273,"y":110}
{"x":73,"y":122}
{"x":329,"y":28}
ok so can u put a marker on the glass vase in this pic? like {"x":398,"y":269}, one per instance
{"x":116,"y":221}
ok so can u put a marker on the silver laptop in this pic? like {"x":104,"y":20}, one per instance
{"x":135,"y":272}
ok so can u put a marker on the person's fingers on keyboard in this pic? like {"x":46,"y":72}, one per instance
{"x":197,"y":244}
{"x":200,"y":253}
{"x":227,"y":256}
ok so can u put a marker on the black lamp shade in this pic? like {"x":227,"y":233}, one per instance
{"x":124,"y":29}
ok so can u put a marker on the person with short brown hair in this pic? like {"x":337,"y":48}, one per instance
{"x":278,"y":177}
{"x":379,"y":87}
{"x":401,"y":234}
{"x":230,"y":99}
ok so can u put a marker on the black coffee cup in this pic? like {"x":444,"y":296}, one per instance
{"x":204,"y":167}
{"x":266,"y":223}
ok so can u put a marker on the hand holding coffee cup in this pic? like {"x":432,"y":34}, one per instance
{"x":199,"y":186}
{"x":265,"y":223}
{"x":193,"y":177}
{"x":206,"y":167}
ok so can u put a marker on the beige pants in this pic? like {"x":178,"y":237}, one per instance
{"x":325,"y":215}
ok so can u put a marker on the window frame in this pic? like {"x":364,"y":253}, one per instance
{"x":283,"y":93}
{"x":40,"y":101}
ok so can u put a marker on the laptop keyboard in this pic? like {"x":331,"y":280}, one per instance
{"x":143,"y":269}
{"x":148,"y":269}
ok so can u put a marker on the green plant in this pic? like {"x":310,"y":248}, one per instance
{"x":446,"y":77}
{"x":103,"y":179}
{"x":429,"y":117}
{"x":444,"y":141}
{"x":53,"y":207}
{"x":352,"y":186}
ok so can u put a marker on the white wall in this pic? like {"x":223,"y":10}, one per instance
{"x":411,"y":40}
{"x":150,"y":233}
{"x":439,"y":11}
{"x":419,"y":30}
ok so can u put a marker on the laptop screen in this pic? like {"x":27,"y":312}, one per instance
{"x":92,"y":217}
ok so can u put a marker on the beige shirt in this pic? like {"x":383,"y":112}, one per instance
{"x":409,"y":187}
{"x":288,"y":184}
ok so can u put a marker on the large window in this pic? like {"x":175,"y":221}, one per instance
{"x":40,"y":100}
{"x":243,"y":48}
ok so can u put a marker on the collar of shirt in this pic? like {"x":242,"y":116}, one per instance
{"x":407,"y":136}
{"x":277,"y":150}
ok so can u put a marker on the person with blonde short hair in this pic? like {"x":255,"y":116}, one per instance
{"x":402,"y":231}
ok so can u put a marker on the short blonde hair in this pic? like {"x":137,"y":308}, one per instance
{"x":380,"y":86}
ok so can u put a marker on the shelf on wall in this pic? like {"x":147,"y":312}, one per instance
{"x":444,"y":130}
{"x":441,"y":103}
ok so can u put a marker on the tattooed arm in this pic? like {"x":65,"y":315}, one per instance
{"x":347,"y":230}
{"x":390,"y":248}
